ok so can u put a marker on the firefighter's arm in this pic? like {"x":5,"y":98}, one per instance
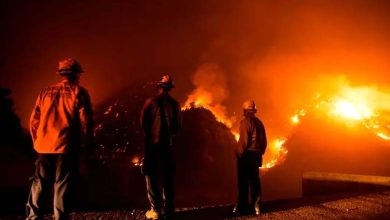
{"x":264,"y":140}
{"x":178,"y":119}
{"x":145,"y":115}
{"x":35,"y":118}
{"x":86,"y":120}
{"x":243,"y":141}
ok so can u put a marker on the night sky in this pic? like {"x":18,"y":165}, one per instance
{"x":277,"y":52}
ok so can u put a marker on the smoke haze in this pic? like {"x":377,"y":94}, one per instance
{"x":285,"y":55}
{"x":276,"y":52}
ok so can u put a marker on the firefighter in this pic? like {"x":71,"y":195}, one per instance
{"x":251,"y":146}
{"x":160,"y":121}
{"x":60,"y":126}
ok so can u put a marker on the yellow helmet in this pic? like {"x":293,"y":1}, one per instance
{"x":249,"y":105}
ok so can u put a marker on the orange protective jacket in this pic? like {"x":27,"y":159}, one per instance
{"x":61,"y":120}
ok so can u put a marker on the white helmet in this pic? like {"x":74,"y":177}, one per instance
{"x":249,"y":105}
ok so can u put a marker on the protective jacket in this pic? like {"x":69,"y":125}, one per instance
{"x":61,"y":119}
{"x":160,"y":119}
{"x":252,"y":136}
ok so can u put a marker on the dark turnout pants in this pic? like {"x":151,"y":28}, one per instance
{"x":159,"y":171}
{"x":51,"y":169}
{"x":248,"y":177}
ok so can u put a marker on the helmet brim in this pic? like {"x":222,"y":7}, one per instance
{"x":251,"y":110}
{"x":68,"y":72}
{"x":166,"y":85}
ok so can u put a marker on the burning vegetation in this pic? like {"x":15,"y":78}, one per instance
{"x":203,"y":150}
{"x":365,"y":106}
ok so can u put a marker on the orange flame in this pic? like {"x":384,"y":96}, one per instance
{"x":203,"y":99}
{"x":136,"y":161}
{"x":276,"y":151}
{"x":210,"y":92}
{"x":364,"y":105}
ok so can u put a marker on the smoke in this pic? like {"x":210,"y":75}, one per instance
{"x":279,"y":53}
{"x":210,"y":92}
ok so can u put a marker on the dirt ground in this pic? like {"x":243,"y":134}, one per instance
{"x":374,"y":205}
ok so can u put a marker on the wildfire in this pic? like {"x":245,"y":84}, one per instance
{"x":279,"y":153}
{"x":360,"y":105}
{"x":202,"y":99}
{"x":218,"y":111}
{"x":349,"y":110}
{"x":366,"y":106}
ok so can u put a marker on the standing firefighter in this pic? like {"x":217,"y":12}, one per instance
{"x":160,"y":121}
{"x":60,"y":124}
{"x":251,"y":146}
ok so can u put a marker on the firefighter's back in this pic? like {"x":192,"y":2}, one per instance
{"x":58,"y":123}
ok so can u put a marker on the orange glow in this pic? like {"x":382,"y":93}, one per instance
{"x":136,"y":161}
{"x":204,"y":99}
{"x":360,"y":106}
{"x":236,"y":136}
{"x":349,"y":104}
{"x":278,"y":150}
{"x":349,"y":110}
{"x":383,"y":136}
{"x":366,"y":105}
{"x":296,"y":118}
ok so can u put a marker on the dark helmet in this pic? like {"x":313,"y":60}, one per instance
{"x":166,"y":82}
{"x":69,"y":66}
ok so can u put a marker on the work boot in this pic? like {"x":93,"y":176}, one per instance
{"x":256,"y":206}
{"x":240,"y":210}
{"x":167,"y":213}
{"x":152,"y":214}
{"x":257,"y":210}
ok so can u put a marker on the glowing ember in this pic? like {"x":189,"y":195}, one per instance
{"x":107,"y":112}
{"x":136,"y":161}
{"x":382,"y":135}
{"x":296,"y":118}
{"x":236,"y":136}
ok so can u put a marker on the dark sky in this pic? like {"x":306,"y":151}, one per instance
{"x":277,"y":52}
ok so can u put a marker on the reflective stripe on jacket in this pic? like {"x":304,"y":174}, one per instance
{"x":61,"y":118}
